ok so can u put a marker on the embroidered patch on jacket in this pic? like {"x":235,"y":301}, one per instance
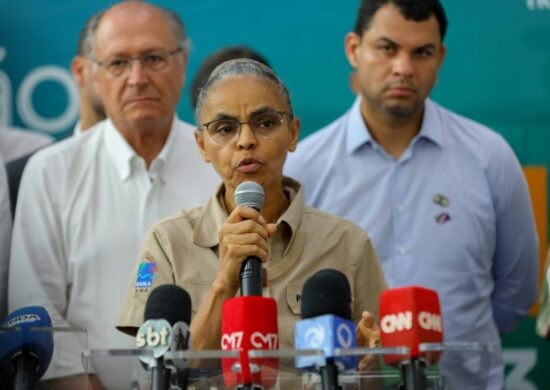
{"x":441,"y":200}
{"x":442,"y":218}
{"x":146,"y":273}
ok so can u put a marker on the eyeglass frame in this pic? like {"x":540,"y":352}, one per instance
{"x":282,"y":113}
{"x":139,"y":58}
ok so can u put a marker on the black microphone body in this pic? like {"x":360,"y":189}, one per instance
{"x":26,"y":367}
{"x":250,"y":194}
{"x":414,"y":374}
{"x":251,"y":277}
{"x":160,"y":376}
{"x":329,"y":376}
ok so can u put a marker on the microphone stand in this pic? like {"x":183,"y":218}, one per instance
{"x":25,"y":372}
{"x":329,"y":376}
{"x":414,"y":374}
{"x":160,"y":375}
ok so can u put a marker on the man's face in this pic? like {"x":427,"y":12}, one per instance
{"x":397,"y":62}
{"x":139,"y":96}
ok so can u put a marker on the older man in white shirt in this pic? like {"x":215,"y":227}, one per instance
{"x":5,"y":236}
{"x":86,"y":202}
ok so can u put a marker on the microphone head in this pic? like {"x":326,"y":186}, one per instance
{"x":168,"y":302}
{"x":250,"y":194}
{"x":167,"y":308}
{"x":25,"y":339}
{"x":326,"y":292}
{"x":249,"y":322}
{"x":410,"y":316}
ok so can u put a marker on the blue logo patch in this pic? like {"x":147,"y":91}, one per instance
{"x":146,"y":273}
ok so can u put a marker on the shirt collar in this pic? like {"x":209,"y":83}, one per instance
{"x":358,"y":133}
{"x":214,"y":214}
{"x":432,"y":125}
{"x":119,"y":150}
{"x":122,"y":154}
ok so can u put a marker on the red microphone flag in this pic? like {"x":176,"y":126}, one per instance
{"x":410,"y":316}
{"x":249,"y":322}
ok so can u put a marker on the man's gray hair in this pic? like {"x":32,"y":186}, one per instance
{"x":87,"y":35}
{"x":240,"y":67}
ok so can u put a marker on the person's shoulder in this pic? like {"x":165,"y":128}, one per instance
{"x":322,"y":220}
{"x":467,"y":130}
{"x":185,"y":129}
{"x":16,"y":142}
{"x":314,"y":146}
{"x":325,"y":135}
{"x":178,"y":224}
{"x":69,"y":152}
{"x":184,"y":125}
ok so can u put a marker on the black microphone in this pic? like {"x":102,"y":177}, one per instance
{"x":166,"y":328}
{"x":250,"y":194}
{"x":326,"y":324}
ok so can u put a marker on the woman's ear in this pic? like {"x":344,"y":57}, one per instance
{"x":294,"y":134}
{"x":199,"y":139}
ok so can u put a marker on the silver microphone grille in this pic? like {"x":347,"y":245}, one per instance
{"x":249,"y":194}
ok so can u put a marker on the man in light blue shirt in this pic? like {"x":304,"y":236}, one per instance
{"x":443,"y":198}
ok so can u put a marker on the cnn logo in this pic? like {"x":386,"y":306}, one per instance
{"x":404,"y":321}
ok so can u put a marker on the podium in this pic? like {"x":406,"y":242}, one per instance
{"x":198,"y":370}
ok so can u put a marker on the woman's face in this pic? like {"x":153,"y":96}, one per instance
{"x":248,"y":155}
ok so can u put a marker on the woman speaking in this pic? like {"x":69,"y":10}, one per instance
{"x":246,"y":127}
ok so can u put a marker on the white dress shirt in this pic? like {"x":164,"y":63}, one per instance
{"x":5,"y":236}
{"x":84,"y":206}
{"x":15,"y":143}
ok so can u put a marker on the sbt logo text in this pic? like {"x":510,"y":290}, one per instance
{"x":258,"y":340}
{"x":152,"y":337}
{"x":404,"y":321}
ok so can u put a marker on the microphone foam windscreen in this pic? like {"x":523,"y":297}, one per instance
{"x":169,"y":302}
{"x":326,"y":292}
{"x":249,"y":194}
{"x":27,"y":338}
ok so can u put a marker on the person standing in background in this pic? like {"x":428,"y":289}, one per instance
{"x":215,"y":59}
{"x":5,"y":237}
{"x":443,"y":197}
{"x":86,"y":202}
{"x":91,"y":107}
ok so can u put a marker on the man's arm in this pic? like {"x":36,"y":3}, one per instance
{"x":38,"y":263}
{"x":515,"y":262}
{"x":5,"y":238}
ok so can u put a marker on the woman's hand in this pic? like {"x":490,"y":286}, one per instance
{"x":368,"y":336}
{"x":243,"y":234}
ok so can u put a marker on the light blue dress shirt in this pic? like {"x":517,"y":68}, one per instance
{"x":452,"y":213}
